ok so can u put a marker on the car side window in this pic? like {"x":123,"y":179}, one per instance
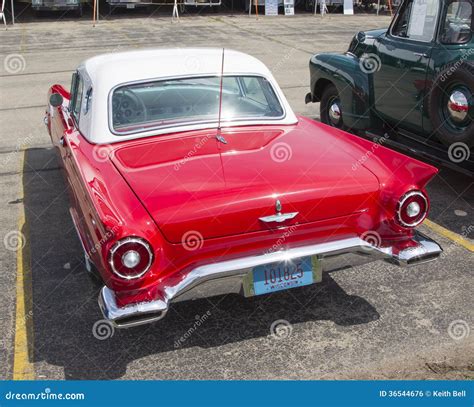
{"x":76,"y":96}
{"x":253,"y":90}
{"x":73,"y":91}
{"x":417,"y":20}
{"x":88,"y":100}
{"x":458,"y":24}
{"x":78,"y":101}
{"x":400,"y":29}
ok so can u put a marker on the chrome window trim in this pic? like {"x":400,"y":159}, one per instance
{"x":200,"y":122}
{"x":120,"y":243}
{"x":402,"y":201}
{"x":88,"y":100}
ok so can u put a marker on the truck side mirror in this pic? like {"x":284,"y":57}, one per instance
{"x":56,"y":100}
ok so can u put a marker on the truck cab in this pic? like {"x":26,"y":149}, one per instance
{"x":414,"y":80}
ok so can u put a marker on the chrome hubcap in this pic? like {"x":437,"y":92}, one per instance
{"x":334,"y":113}
{"x":458,"y":106}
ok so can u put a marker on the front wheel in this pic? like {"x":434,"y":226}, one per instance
{"x":330,"y":108}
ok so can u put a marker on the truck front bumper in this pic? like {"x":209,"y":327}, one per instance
{"x":229,"y":276}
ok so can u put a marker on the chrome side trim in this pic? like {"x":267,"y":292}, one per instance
{"x":228,"y":276}
{"x":71,"y":212}
{"x":87,"y":257}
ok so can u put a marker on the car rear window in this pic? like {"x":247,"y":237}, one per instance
{"x":176,"y":102}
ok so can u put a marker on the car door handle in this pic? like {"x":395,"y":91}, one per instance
{"x":62,"y":141}
{"x":420,"y":54}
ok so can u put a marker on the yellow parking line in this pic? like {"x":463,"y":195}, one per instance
{"x":23,"y":368}
{"x":449,"y":235}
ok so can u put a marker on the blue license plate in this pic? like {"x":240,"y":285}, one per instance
{"x":283,"y":276}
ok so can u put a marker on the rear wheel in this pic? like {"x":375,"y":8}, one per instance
{"x":451,"y":105}
{"x":330,"y":108}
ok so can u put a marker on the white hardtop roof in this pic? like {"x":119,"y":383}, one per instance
{"x":104,"y":72}
{"x":111,"y":70}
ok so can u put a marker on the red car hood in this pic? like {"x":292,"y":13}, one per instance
{"x":193,"y":185}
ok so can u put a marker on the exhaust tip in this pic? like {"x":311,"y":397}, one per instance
{"x":137,"y":320}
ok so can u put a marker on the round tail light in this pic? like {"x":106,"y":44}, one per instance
{"x":130,"y":258}
{"x":412,"y":209}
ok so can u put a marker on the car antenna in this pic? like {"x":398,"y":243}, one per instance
{"x":219,"y":136}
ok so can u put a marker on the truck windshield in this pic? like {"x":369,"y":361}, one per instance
{"x":175,"y":102}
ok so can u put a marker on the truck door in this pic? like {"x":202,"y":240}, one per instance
{"x":405,"y":51}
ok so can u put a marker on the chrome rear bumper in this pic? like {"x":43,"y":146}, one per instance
{"x":228,"y":276}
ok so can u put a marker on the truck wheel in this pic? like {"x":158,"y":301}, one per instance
{"x":330,"y":108}
{"x":451,"y":104}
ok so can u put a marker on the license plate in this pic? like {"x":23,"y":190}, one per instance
{"x":273,"y":277}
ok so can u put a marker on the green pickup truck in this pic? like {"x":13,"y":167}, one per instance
{"x":412,"y":83}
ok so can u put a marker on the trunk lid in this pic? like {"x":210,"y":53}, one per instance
{"x":194,"y":186}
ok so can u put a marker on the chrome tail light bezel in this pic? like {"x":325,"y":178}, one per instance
{"x":400,"y":206}
{"x":127,"y":240}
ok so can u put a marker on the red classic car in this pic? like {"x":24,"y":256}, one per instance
{"x":190,"y":176}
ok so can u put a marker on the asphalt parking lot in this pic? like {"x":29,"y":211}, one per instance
{"x":375,"y":321}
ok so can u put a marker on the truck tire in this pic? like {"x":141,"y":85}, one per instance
{"x":330,"y":108}
{"x":451,"y":104}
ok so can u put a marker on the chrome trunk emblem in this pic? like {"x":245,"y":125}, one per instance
{"x":279,"y":217}
{"x":278,"y":206}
